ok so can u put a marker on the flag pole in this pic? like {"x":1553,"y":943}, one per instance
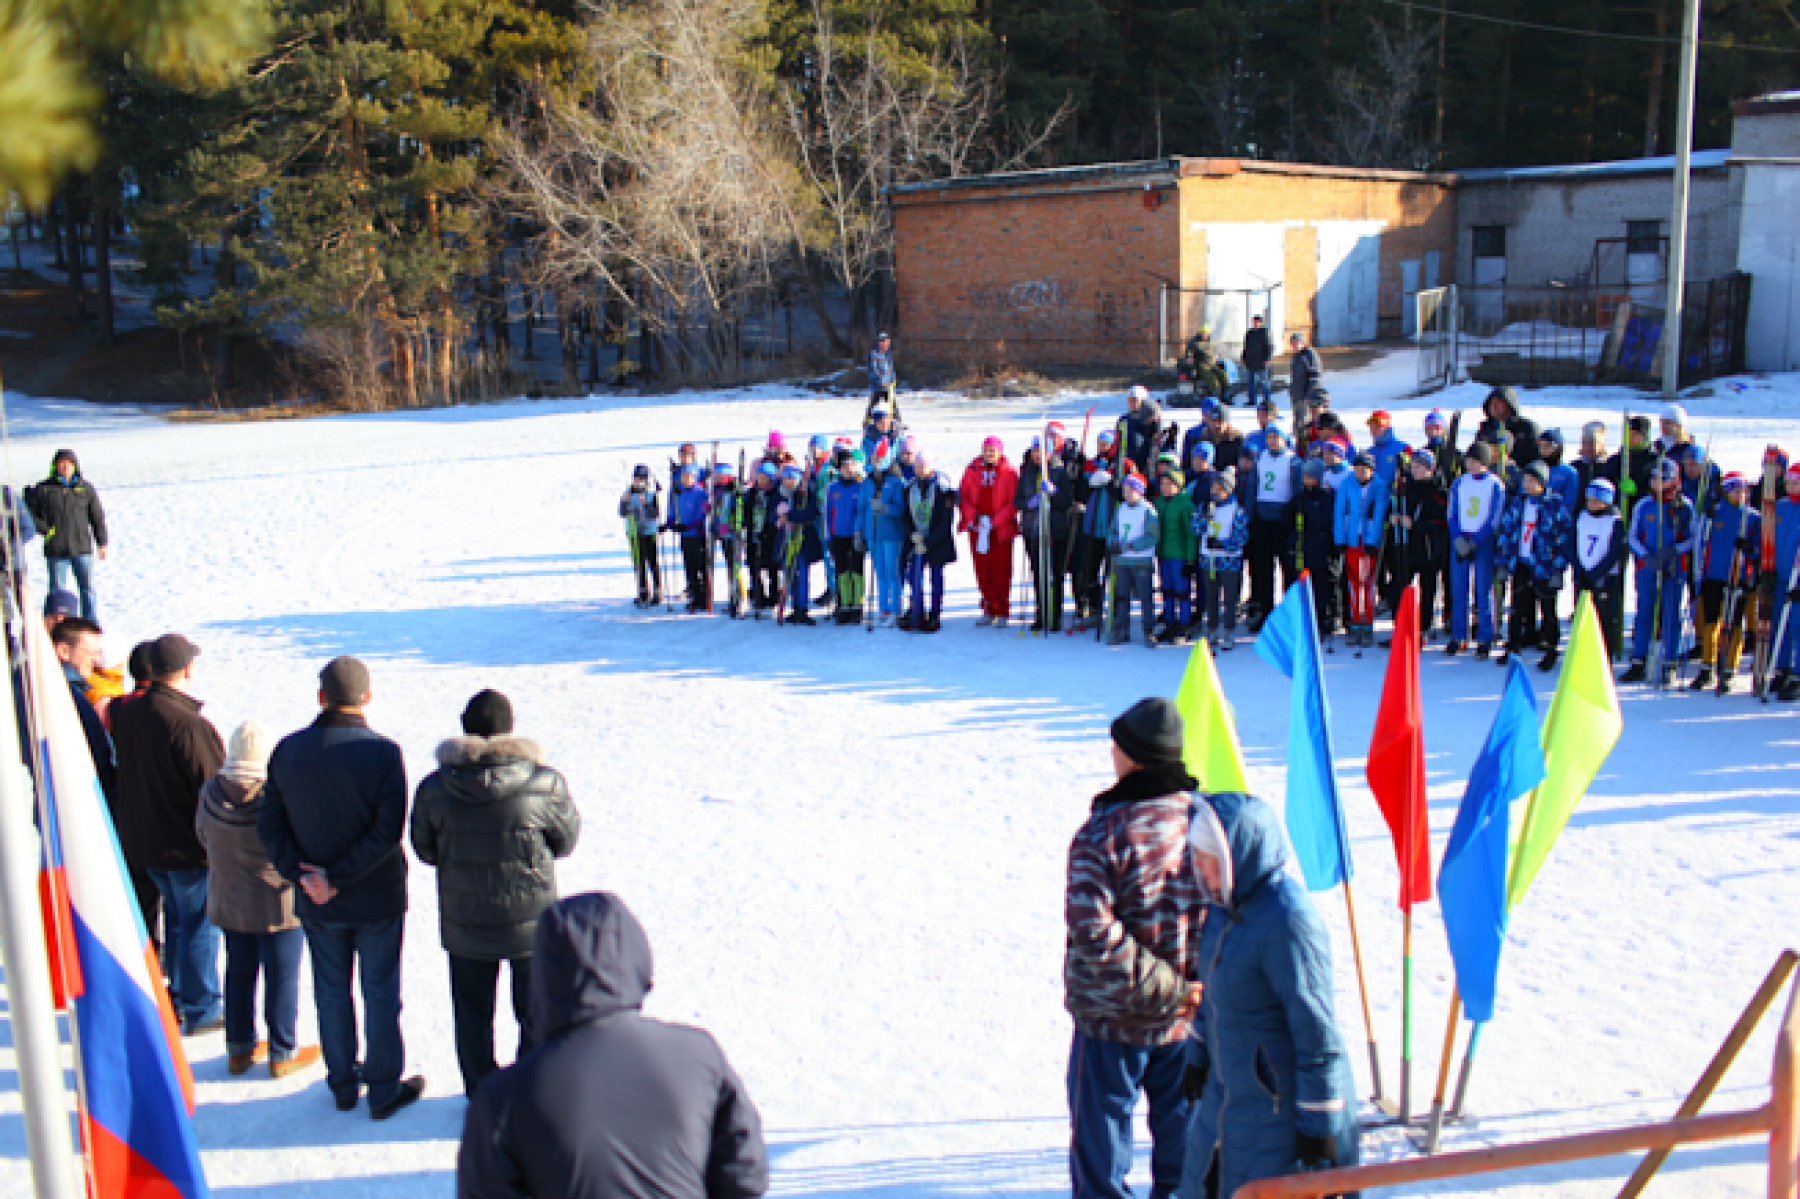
{"x":1362,"y":985}
{"x":1406,"y":995}
{"x":1436,"y":1127}
{"x":1468,"y":1066}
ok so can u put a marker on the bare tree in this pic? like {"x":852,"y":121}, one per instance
{"x":1230,"y":98}
{"x":1375,"y":119}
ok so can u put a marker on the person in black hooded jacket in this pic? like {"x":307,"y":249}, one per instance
{"x":493,"y":819}
{"x":612,"y":1104}
{"x":67,"y":511}
{"x":1500,"y":411}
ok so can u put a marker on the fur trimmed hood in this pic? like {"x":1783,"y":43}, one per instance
{"x":474,"y":751}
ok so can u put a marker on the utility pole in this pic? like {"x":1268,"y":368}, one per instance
{"x":1678,"y":217}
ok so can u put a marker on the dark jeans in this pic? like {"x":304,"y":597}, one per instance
{"x":1271,"y":544}
{"x":75,"y":574}
{"x":193,"y":946}
{"x":276,"y":956}
{"x":1534,"y":621}
{"x":473,"y":985}
{"x":1105,"y":1078}
{"x":372,"y":951}
{"x":699,"y":574}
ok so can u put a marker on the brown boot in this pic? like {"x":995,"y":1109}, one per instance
{"x":240,"y":1063}
{"x":306,"y":1055}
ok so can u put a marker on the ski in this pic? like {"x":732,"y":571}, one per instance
{"x":1766,"y":578}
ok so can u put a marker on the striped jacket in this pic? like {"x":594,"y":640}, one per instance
{"x":1133,"y":910}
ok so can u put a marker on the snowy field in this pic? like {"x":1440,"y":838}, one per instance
{"x":848,"y":849}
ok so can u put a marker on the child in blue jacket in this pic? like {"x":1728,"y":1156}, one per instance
{"x":1359,"y":517}
{"x":1784,"y":661}
{"x":1475,"y":502}
{"x":884,"y":529}
{"x":688,"y":517}
{"x":845,"y":520}
{"x":1532,"y":544}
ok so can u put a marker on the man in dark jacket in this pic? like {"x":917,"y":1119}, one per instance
{"x":333,"y":813}
{"x":1257,"y":352}
{"x":166,"y":751}
{"x":67,"y":510}
{"x":612,"y":1105}
{"x":1133,"y":910}
{"x":1501,"y":414}
{"x":1304,"y":370}
{"x":77,"y":645}
{"x":493,"y":819}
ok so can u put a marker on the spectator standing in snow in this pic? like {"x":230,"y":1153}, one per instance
{"x":1304,"y":371}
{"x":77,"y":645}
{"x":333,"y":813}
{"x":67,"y":511}
{"x":639,"y":509}
{"x":493,"y":818}
{"x":1266,"y":1069}
{"x":254,"y":907}
{"x":881,"y":372}
{"x":613,"y":1105}
{"x":166,"y":751}
{"x":1133,"y":914}
{"x":1257,"y":352}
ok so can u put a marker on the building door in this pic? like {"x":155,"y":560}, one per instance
{"x":1348,"y":299}
{"x":1487,"y":294}
{"x":1645,"y":277}
{"x":1241,"y":261}
{"x":1409,"y":297}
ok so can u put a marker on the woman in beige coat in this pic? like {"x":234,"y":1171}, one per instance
{"x":254,"y":907}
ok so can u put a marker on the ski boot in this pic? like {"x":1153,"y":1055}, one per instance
{"x":1635,"y":673}
{"x":1227,"y":639}
{"x":1789,"y":691}
{"x":1483,"y":651}
{"x":1702,"y":680}
{"x":800,"y":618}
{"x":1000,"y":621}
{"x":1550,"y":657}
{"x":1725,"y":678}
{"x":1505,"y":658}
{"x":906,"y":623}
{"x":1453,"y":648}
{"x":932,"y":623}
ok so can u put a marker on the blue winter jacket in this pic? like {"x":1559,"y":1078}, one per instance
{"x":1387,"y":449}
{"x":1266,"y":1033}
{"x":889,"y":524}
{"x":1721,"y":541}
{"x":844,"y":508}
{"x":1224,"y":530}
{"x":690,"y":511}
{"x":1787,"y":542}
{"x":1098,"y":522}
{"x":1565,"y":482}
{"x":1658,"y":526}
{"x":1360,"y":513}
{"x":802,"y":519}
{"x":1551,"y":544}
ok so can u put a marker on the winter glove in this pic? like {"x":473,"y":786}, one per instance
{"x":918,"y":543}
{"x":1746,"y":546}
{"x":1190,"y":569}
{"x":857,"y":543}
{"x":1314,"y":1153}
{"x":1465,"y":549}
{"x":1101,"y":478}
{"x":1193,"y":1082}
{"x":1031,"y":505}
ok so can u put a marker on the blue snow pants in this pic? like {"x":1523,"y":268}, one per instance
{"x":1674,"y":585}
{"x":887,"y":574}
{"x":1478,"y":573}
{"x":1173,"y":573}
{"x":1105,"y":1078}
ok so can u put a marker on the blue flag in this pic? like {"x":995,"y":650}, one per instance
{"x":1472,"y":880}
{"x":1289,"y":641}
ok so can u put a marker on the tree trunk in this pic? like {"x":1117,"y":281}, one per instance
{"x":103,"y":280}
{"x":403,"y":359}
{"x":571,"y":347}
{"x":224,"y":358}
{"x":53,"y":225}
{"x":447,"y":348}
{"x":839,"y":344}
{"x":1659,"y":62}
{"x":72,"y":236}
{"x":224,"y":280}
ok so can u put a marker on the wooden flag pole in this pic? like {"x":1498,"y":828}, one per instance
{"x":1362,"y":984}
{"x":1436,"y":1127}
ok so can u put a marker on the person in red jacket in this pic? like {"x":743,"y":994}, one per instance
{"x":988,"y":517}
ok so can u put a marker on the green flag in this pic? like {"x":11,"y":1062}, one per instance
{"x":1581,"y":730}
{"x":1212,"y":751}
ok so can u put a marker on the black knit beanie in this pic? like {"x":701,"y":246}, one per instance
{"x":1150,"y":733}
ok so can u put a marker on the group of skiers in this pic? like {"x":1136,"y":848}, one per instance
{"x":1172,"y":520}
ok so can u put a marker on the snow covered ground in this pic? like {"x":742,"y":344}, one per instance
{"x":849,"y":848}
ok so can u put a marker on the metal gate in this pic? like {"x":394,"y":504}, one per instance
{"x":1227,"y":310}
{"x":1439,"y":362}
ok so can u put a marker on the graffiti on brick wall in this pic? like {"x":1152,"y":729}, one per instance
{"x":1040,"y":295}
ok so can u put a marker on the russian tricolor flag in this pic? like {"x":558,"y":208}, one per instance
{"x":137,"y":1096}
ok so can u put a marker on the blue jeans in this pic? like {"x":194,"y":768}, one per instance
{"x":1256,"y":381}
{"x":887,"y":575}
{"x":373,"y":950}
{"x":82,"y":568}
{"x":1477,"y":573}
{"x":917,"y":573}
{"x":192,"y":946}
{"x":1173,"y":573}
{"x":1642,"y":630}
{"x":276,"y":956}
{"x":1105,"y":1078}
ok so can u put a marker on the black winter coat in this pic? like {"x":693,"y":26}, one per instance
{"x":1256,"y":348}
{"x":493,"y":819}
{"x":165,"y":752}
{"x":69,"y":515}
{"x":1304,"y":373}
{"x":336,"y":799}
{"x":940,"y":530}
{"x":611,"y":1105}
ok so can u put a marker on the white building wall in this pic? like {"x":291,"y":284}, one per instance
{"x":1769,"y":250}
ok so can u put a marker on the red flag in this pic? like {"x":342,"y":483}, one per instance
{"x":1396,"y":770}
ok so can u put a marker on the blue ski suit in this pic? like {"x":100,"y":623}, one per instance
{"x":884,"y":530}
{"x":1475,"y":506}
{"x":1787,"y":548}
{"x":1662,"y":535}
{"x":1266,"y":1036}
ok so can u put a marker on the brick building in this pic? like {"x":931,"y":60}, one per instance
{"x":1118,"y":264}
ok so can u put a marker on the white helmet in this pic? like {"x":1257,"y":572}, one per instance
{"x":1139,"y":393}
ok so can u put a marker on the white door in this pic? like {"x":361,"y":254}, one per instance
{"x":1431,"y":270}
{"x":1348,"y":303}
{"x":1239,"y":258}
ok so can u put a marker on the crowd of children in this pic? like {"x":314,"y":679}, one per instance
{"x":1499,"y":529}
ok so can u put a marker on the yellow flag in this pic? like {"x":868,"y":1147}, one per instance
{"x":1581,"y":730}
{"x":1211,"y":751}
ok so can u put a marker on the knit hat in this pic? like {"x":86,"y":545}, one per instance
{"x":1733,"y":480}
{"x":1150,"y":733}
{"x":1335,"y":445}
{"x":62,"y":603}
{"x":818,"y":442}
{"x":1540,"y":472}
{"x":1691,"y":452}
{"x":1424,"y":458}
{"x":1602,"y":490}
{"x":345,"y":682}
{"x":1793,"y":473}
{"x":1205,"y":836}
{"x":911,"y":444}
{"x":1364,"y":459}
{"x":792,"y":473}
{"x":724,"y":471}
{"x":1273,"y":431}
{"x":1553,"y":436}
{"x":1482,"y":452}
{"x":991,"y":441}
{"x":1204,"y":451}
{"x":1107,"y":437}
{"x":1639,"y":424}
{"x":1434,"y":419}
{"x":1676,"y":415}
{"x":640,"y":471}
{"x":1135,"y":481}
{"x":1139,"y":393}
{"x":1313,"y":469}
{"x":1055,"y":430}
{"x":139,"y":663}
{"x":1177,"y":478}
{"x":776,"y":440}
{"x":1169,"y":457}
{"x":247,"y":753}
{"x":489,"y":714}
{"x":921,"y":462}
{"x":879,"y":411}
{"x":769,"y":470}
{"x":1666,"y":471}
{"x":1380,"y":417}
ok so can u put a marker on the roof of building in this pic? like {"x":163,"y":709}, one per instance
{"x":1574,"y":172}
{"x":1161,"y":171}
{"x":1768,"y":104}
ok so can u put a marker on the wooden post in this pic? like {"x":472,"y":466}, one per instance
{"x":1362,"y":985}
{"x":1436,"y":1127}
{"x":1784,"y":1107}
{"x":1716,"y":1069}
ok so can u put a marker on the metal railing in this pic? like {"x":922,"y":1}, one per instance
{"x":1778,"y":1120}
